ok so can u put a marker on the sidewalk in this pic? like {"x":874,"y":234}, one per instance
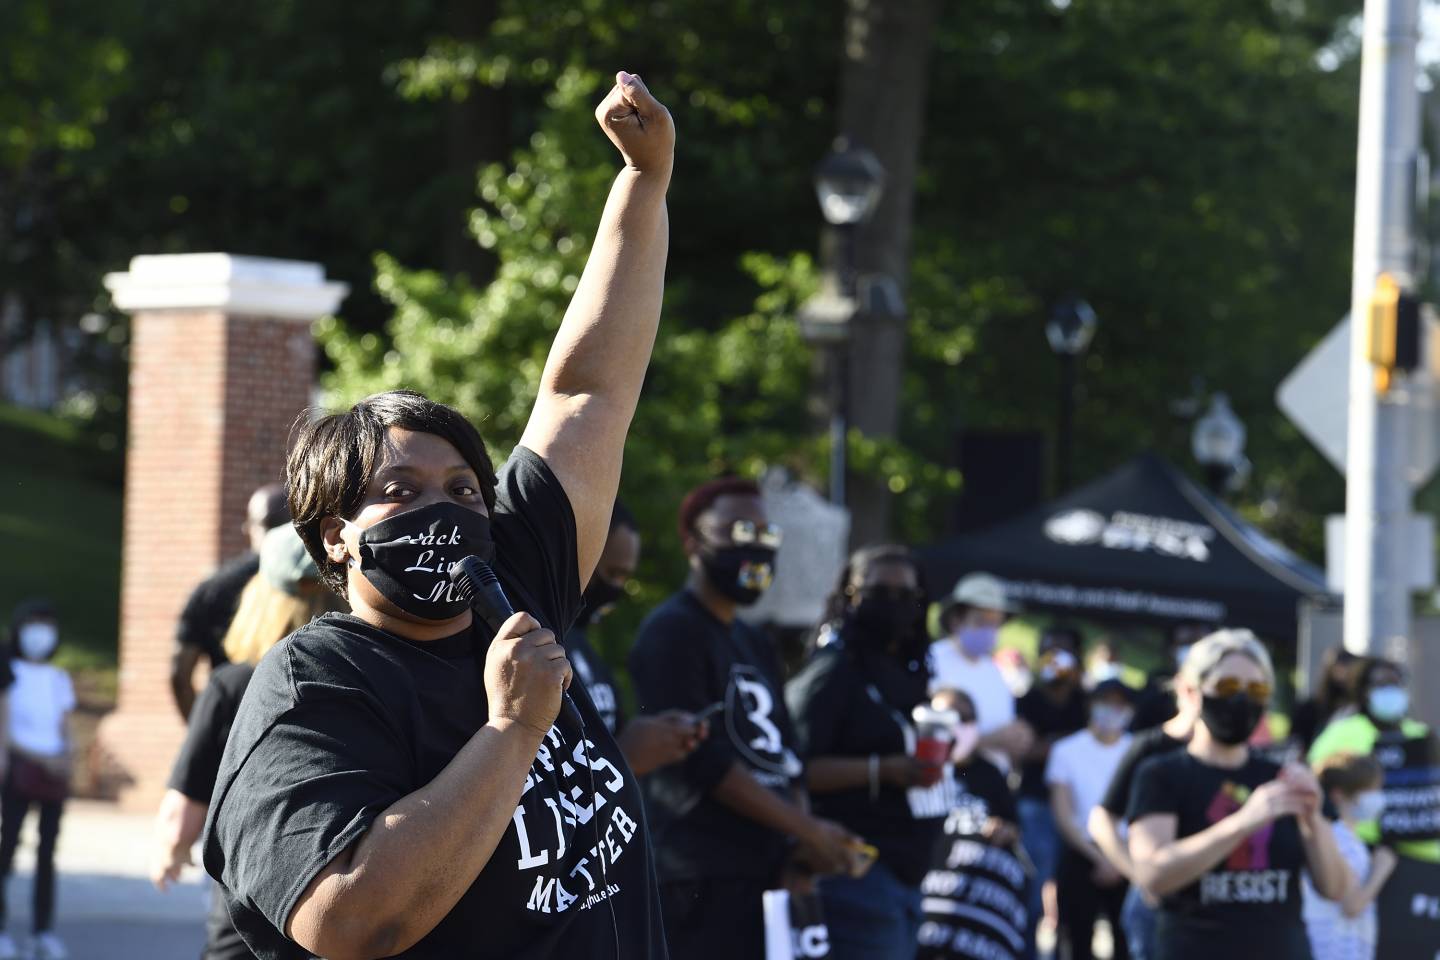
{"x":106,"y":908}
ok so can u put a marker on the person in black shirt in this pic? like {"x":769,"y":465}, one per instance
{"x":1138,"y":914}
{"x":1220,"y":835}
{"x":975,"y":890}
{"x":1054,"y":707}
{"x":407,"y":781}
{"x":207,"y":613}
{"x":852,"y":704}
{"x":1334,"y":693}
{"x":285,"y":595}
{"x":648,"y":742}
{"x":724,"y":818}
{"x":1157,"y":702}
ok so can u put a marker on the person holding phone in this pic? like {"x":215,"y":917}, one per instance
{"x":853,"y":703}
{"x":1222,"y":836}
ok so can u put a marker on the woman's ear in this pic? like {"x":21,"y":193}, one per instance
{"x":332,"y":534}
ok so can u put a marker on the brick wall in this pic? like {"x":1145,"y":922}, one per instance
{"x":212,"y":401}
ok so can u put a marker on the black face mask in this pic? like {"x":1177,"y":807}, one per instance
{"x":881,"y":620}
{"x":740,"y":573}
{"x":407,"y":557}
{"x":1231,"y":719}
{"x":598,"y":595}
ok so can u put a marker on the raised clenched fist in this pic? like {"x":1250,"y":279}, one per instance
{"x":638,"y":125}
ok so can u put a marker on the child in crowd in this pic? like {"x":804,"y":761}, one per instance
{"x":1345,"y":929}
{"x":38,"y":769}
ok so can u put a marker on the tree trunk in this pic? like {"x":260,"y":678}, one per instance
{"x":885,"y":74}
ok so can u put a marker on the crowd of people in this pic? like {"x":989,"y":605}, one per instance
{"x":902,"y":781}
{"x":431,"y":760}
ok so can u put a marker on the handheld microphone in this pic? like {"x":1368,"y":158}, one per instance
{"x":476,"y":583}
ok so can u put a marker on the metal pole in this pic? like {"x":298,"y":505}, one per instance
{"x":1377,"y":494}
{"x":839,"y":361}
{"x":1067,"y":422}
{"x":840,"y":370}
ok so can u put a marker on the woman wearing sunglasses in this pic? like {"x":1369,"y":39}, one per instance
{"x":852,"y":704}
{"x":1219,"y":835}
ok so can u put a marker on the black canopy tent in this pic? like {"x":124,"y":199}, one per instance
{"x":1141,"y":544}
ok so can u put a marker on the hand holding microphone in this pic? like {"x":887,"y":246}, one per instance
{"x":526,"y":670}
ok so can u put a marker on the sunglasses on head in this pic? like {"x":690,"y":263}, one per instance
{"x":746,"y":533}
{"x":1256,"y":690}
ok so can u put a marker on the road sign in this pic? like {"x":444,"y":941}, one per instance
{"x":1316,"y":398}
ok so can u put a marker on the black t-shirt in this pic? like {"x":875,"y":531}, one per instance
{"x":342,"y":720}
{"x":1155,"y":706}
{"x":974,"y":896}
{"x":596,"y":675}
{"x":1143,"y":746}
{"x":207,"y":730}
{"x":194,"y":775}
{"x":211,"y":607}
{"x":847,"y":703}
{"x":1249,"y":905}
{"x":686,"y":659}
{"x":1048,"y":719}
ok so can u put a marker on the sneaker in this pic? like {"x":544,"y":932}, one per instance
{"x":49,"y":947}
{"x":8,"y":949}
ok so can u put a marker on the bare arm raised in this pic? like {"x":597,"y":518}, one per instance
{"x":596,"y":366}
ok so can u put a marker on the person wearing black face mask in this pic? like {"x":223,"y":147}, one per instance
{"x":724,"y":819}
{"x":400,"y":781}
{"x":853,"y":703}
{"x":1221,"y":836}
{"x":648,"y":742}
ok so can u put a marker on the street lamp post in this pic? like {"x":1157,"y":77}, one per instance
{"x":1218,"y":443}
{"x":1070,"y":329}
{"x":848,"y":184}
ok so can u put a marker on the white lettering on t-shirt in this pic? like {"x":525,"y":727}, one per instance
{"x":1245,"y":886}
{"x":768,"y":739}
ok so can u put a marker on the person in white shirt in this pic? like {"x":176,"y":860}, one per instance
{"x":38,"y":771}
{"x":1346,"y":929}
{"x":964,"y":660}
{"x":1079,"y":771}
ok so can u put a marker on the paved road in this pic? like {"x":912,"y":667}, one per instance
{"x":106,"y":909}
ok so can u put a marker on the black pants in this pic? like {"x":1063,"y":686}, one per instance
{"x":715,"y":919}
{"x":1081,"y":903}
{"x":13,"y":808}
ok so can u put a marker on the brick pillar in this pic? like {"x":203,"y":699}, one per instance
{"x":221,"y":364}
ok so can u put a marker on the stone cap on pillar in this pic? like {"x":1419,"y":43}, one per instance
{"x":255,"y":286}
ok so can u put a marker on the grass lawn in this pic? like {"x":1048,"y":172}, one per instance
{"x":60,"y":520}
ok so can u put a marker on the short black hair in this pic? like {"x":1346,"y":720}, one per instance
{"x":333,"y":460}
{"x":703,"y":497}
{"x":34,"y":608}
{"x":1366,"y":674}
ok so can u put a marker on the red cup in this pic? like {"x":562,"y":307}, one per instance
{"x":932,"y":752}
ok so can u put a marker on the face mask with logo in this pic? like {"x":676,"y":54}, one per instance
{"x":977,"y":642}
{"x":1110,"y":720}
{"x":38,"y":640}
{"x":407,"y":557}
{"x":740,"y":573}
{"x":599,"y":596}
{"x":1367,"y":807}
{"x":1231,"y":720}
{"x":1388,"y":704}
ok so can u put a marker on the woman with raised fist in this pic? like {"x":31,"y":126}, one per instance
{"x":401,"y":781}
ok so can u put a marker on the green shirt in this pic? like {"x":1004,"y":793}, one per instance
{"x":1357,"y":734}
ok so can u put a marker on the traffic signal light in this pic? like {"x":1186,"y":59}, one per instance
{"x":1395,"y":327}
